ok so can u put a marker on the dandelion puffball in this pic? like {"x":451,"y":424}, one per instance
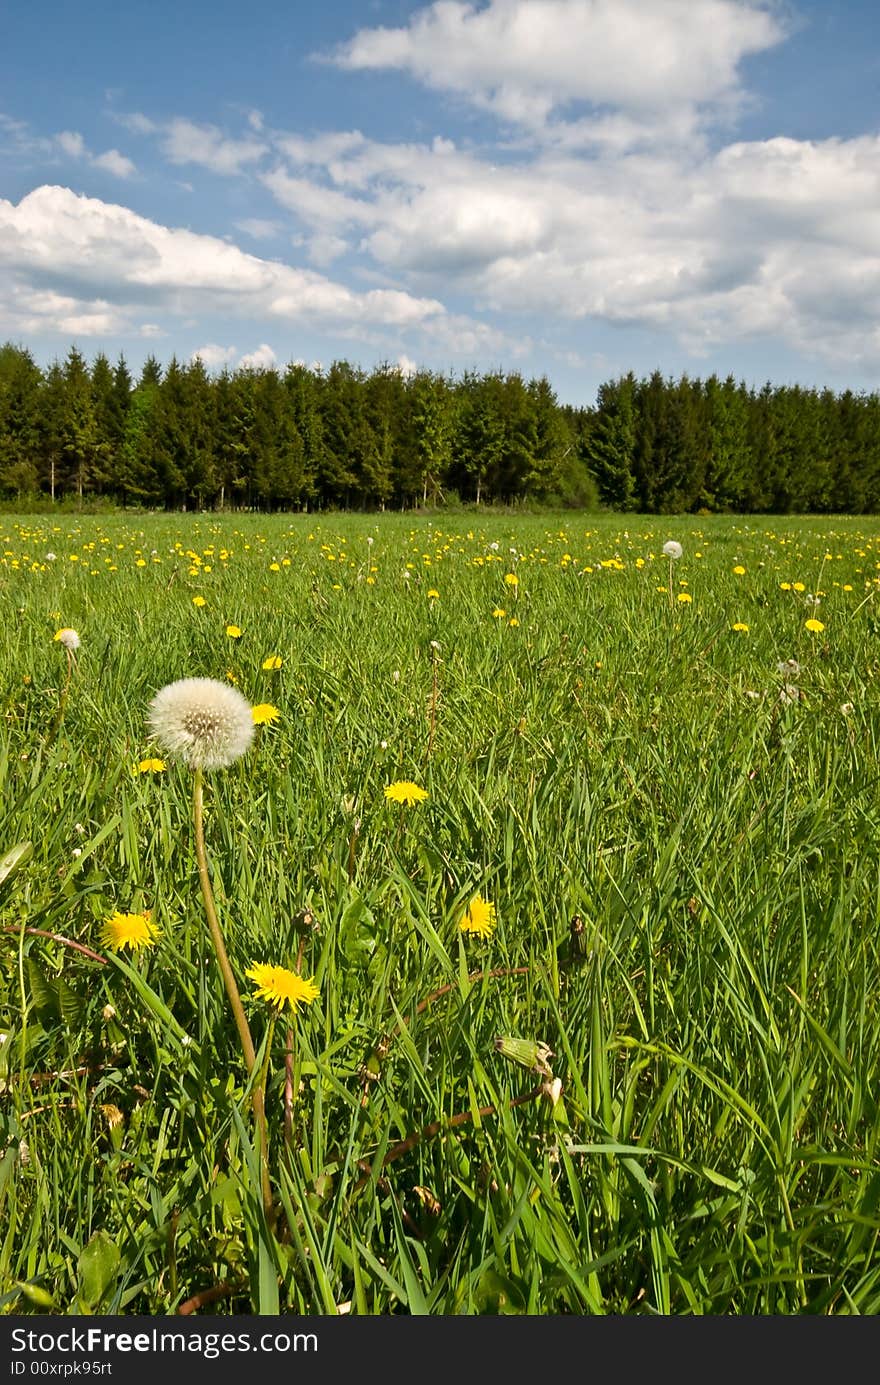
{"x":69,"y":638}
{"x":206,"y":723}
{"x":672,"y":548}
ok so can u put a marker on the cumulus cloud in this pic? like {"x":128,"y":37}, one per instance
{"x":114,"y":163}
{"x":261,"y":359}
{"x":528,"y":59}
{"x":214,"y":357}
{"x":93,"y":254}
{"x":185,"y":142}
{"x":259,"y":228}
{"x":72,"y":144}
{"x":66,"y":144}
{"x":773,"y":237}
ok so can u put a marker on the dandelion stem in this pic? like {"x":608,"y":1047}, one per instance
{"x":258,"y":1097}
{"x":288,"y":1090}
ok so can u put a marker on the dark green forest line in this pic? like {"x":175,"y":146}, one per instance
{"x":299,"y":438}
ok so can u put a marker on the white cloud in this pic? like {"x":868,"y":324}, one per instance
{"x":316,"y":204}
{"x":261,"y":359}
{"x":762,"y":238}
{"x":72,"y":144}
{"x":185,"y":142}
{"x":214,"y":357}
{"x":324,"y":249}
{"x":91,"y":251}
{"x":528,"y":59}
{"x":259,"y":228}
{"x":114,"y":162}
{"x":32,"y":311}
{"x":138,"y":123}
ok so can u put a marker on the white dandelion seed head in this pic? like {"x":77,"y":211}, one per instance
{"x":51,"y":557}
{"x":205,"y":723}
{"x":847,"y":708}
{"x":68,"y":638}
{"x":788,"y":667}
{"x":672,"y":548}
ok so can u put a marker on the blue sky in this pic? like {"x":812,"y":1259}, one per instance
{"x":574,"y":188}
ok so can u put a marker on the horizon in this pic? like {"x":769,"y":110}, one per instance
{"x":573,"y":189}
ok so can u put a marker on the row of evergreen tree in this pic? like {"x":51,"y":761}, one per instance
{"x":178,"y":437}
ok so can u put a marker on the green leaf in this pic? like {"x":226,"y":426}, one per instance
{"x":71,"y":1005}
{"x":98,"y":1267}
{"x":40,"y":1298}
{"x":44,"y":994}
{"x":16,"y":857}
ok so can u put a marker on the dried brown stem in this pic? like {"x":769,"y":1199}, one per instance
{"x":58,"y":938}
{"x":205,"y":1296}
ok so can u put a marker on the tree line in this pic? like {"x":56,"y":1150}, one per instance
{"x":306,"y":438}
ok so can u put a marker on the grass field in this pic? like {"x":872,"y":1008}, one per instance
{"x":675,"y":819}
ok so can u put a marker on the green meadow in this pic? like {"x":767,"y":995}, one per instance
{"x":660,"y":775}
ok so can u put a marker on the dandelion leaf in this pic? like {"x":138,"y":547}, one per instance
{"x":97,"y":1270}
{"x":15,"y":858}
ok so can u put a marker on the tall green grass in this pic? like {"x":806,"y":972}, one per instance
{"x":680,"y":839}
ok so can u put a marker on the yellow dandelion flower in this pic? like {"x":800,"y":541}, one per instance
{"x":685,"y":597}
{"x":433,"y":594}
{"x":233,"y":632}
{"x":739,"y":570}
{"x":479,"y":917}
{"x":499,"y":613}
{"x":199,"y":601}
{"x":798,"y":587}
{"x":280,"y":987}
{"x":405,"y":791}
{"x":511,"y":579}
{"x":739,"y":625}
{"x":264,"y":714}
{"x":274,"y":567}
{"x":785,"y":586}
{"x":150,"y":766}
{"x":513,"y":621}
{"x":129,"y":930}
{"x":815,"y":626}
{"x":272,"y":662}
